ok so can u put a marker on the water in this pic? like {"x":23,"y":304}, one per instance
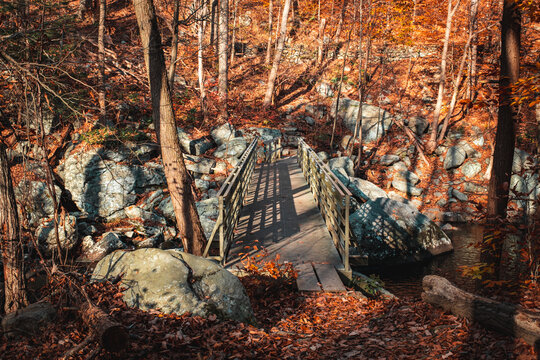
{"x":406,"y":281}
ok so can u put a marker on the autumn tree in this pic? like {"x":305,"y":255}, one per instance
{"x":178,"y":179}
{"x":223,"y":59}
{"x":271,"y":83}
{"x":503,"y":154}
{"x":12,"y":253}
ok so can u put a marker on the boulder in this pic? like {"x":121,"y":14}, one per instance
{"x":233,"y":148}
{"x":95,"y":251}
{"x":325,"y":89}
{"x":343,"y":162}
{"x":199,"y":165}
{"x":324,"y":156}
{"x":195,"y":146}
{"x":457,"y":194}
{"x":418,"y":125}
{"x":393,"y":233}
{"x":387,"y":160}
{"x":265,"y":134}
{"x":361,"y":189}
{"x":470,"y":169}
{"x":309,"y":120}
{"x":375,"y":121}
{"x":223,"y":133}
{"x":175,"y":282}
{"x":455,"y":156}
{"x":208,"y":208}
{"x":469,"y":150}
{"x":101,"y":187}
{"x":28,"y":320}
{"x":67,"y":234}
{"x":405,"y":181}
{"x":37,"y":200}
{"x":522,"y":161}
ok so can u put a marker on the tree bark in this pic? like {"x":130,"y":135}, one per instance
{"x":174,"y":45}
{"x":178,"y":179}
{"x":432,"y":142}
{"x":473,"y":49}
{"x":101,"y":58}
{"x":270,"y":25}
{"x":12,"y":254}
{"x":337,"y":35}
{"x":201,"y":25}
{"x":111,"y":335}
{"x":223,"y":59}
{"x":320,"y":51}
{"x":503,"y":155}
{"x":233,"y":39}
{"x":277,"y":56}
{"x":505,"y":318}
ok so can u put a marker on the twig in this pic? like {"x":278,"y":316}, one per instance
{"x":78,"y":347}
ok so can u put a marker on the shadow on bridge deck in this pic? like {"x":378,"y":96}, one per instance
{"x":281,"y":216}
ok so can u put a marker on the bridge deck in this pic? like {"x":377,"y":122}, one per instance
{"x":281,"y":216}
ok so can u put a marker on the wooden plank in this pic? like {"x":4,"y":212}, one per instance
{"x":329,"y":278}
{"x":306,"y":280}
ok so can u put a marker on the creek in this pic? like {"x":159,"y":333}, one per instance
{"x":406,"y":281}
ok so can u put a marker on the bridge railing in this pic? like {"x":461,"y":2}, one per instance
{"x":231,"y":198}
{"x":272,"y":150}
{"x":332,"y":197}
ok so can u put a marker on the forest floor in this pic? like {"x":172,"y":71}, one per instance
{"x":290,"y":325}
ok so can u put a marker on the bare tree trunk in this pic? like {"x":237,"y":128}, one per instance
{"x":270,"y":24}
{"x":320,"y":51}
{"x":233,"y":39}
{"x":358,"y":126}
{"x":499,"y":183}
{"x":277,"y":56}
{"x":455,"y":91}
{"x":12,"y":255}
{"x":178,"y":179}
{"x":338,"y":94}
{"x":432,"y":142}
{"x":174,"y":45}
{"x":223,"y":45}
{"x":473,"y":49}
{"x":337,"y":35}
{"x":201,"y":25}
{"x":213,"y":22}
{"x":101,"y":58}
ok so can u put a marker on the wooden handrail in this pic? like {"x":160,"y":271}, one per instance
{"x":272,"y":150}
{"x":331,"y":196}
{"x":231,"y":199}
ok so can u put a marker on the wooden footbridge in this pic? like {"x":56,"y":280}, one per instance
{"x":293,"y":206}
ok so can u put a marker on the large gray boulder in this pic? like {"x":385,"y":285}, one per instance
{"x":27,"y":321}
{"x":176,"y":282}
{"x":92,"y":251}
{"x":265,"y":134}
{"x":223,"y":133}
{"x":101,"y":187}
{"x":233,"y":148}
{"x":455,"y":156}
{"x":405,"y":181}
{"x":37,"y":200}
{"x":194,"y":146}
{"x":343,"y":162}
{"x":67,"y":234}
{"x":522,"y":161}
{"x":361,"y":189}
{"x":471,"y":169}
{"x":375,"y":121}
{"x":198,"y":164}
{"x":392,"y":233}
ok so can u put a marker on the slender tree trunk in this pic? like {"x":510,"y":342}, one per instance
{"x":101,"y":58}
{"x":361,"y":76}
{"x":213,"y":22}
{"x":277,"y":56}
{"x":473,"y":49}
{"x":223,"y":45}
{"x":178,"y":179}
{"x":432,"y":143}
{"x":455,"y":92}
{"x":338,"y":94}
{"x":270,"y":24}
{"x":337,"y":35}
{"x":499,"y":183}
{"x":201,"y":25}
{"x":233,"y":39}
{"x":12,"y":255}
{"x":174,"y":45}
{"x":320,"y":51}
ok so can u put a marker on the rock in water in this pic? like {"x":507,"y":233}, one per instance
{"x":391,"y":233}
{"x":176,"y":282}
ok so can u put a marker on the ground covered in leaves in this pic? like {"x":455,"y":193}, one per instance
{"x":291,"y":325}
